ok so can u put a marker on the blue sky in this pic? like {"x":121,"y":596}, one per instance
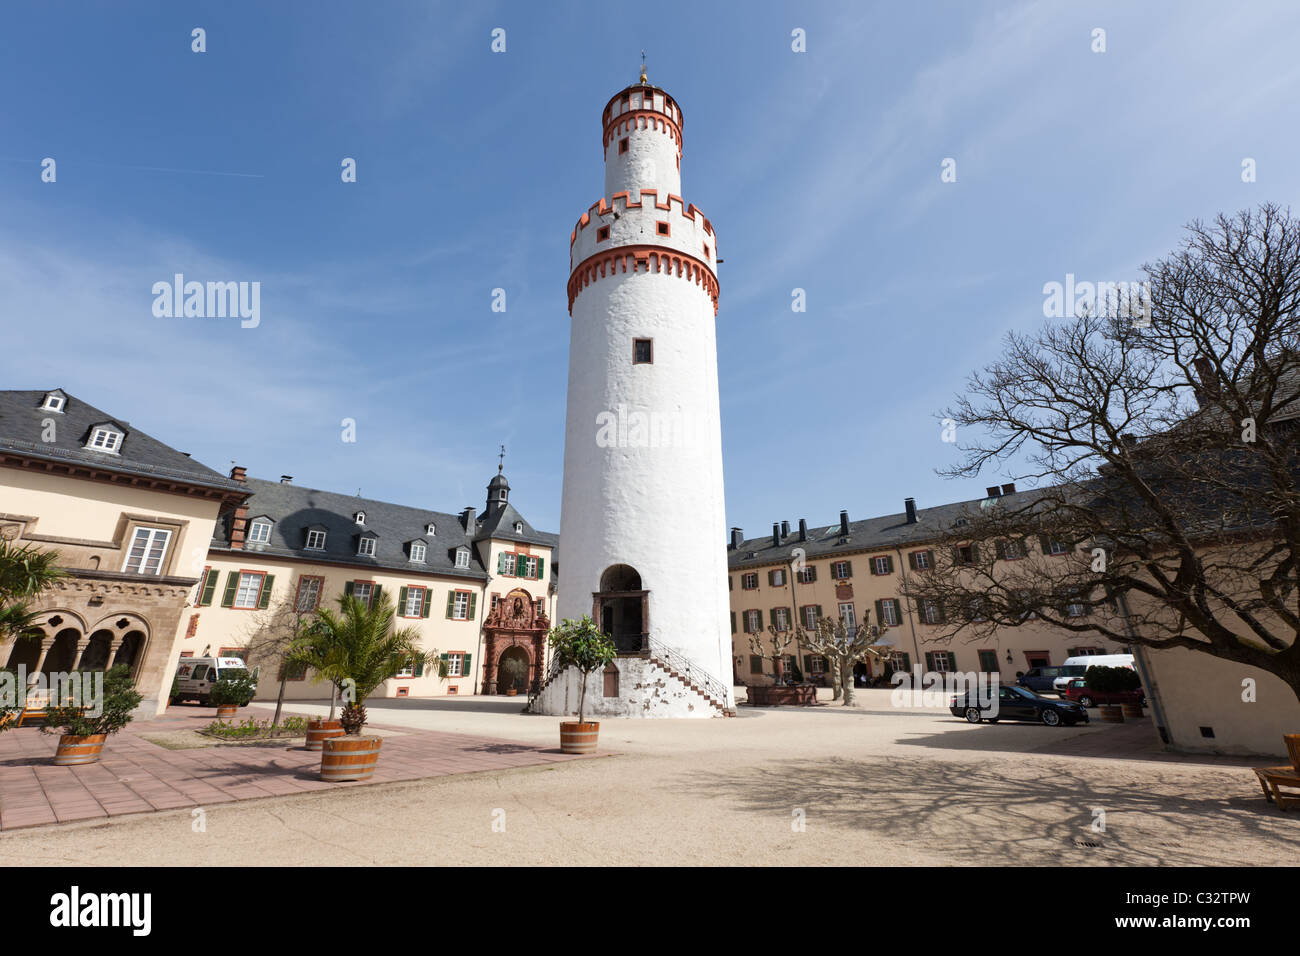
{"x":819,"y":170}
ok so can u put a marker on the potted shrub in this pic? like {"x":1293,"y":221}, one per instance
{"x":358,"y":649}
{"x":231,"y":693}
{"x":512,"y":669}
{"x":84,"y":732}
{"x":581,"y":644}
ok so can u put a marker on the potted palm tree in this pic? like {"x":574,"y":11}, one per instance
{"x":84,"y":732}
{"x":357,"y":649}
{"x":581,"y":644}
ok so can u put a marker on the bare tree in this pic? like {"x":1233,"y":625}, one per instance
{"x":778,"y":641}
{"x":1164,"y":446}
{"x":843,"y":645}
{"x":271,"y":637}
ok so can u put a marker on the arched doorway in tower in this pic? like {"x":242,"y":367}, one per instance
{"x":513,"y":668}
{"x":621,"y":607}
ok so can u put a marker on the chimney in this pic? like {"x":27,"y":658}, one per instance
{"x":286,"y":479}
{"x":844,"y":524}
{"x":736,"y":538}
{"x":803,"y":529}
{"x":909,"y":505}
{"x":1009,"y":489}
{"x":992,"y":492}
{"x":785,"y":529}
{"x":468,"y":520}
{"x":238,"y":472}
{"x":776,"y":534}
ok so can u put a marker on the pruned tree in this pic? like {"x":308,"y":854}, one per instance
{"x":273,"y":636}
{"x":771,"y":644}
{"x":1164,"y":445}
{"x":843,"y":645}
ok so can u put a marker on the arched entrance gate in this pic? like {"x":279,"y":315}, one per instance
{"x":515,"y":638}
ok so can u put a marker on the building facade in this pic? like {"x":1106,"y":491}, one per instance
{"x":130,"y":519}
{"x":643,"y":441}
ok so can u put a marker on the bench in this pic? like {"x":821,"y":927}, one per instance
{"x":1273,"y":779}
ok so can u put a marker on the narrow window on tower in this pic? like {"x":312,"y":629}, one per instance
{"x":643,"y":352}
{"x":664,"y":229}
{"x":622,"y":145}
{"x":602,"y":233}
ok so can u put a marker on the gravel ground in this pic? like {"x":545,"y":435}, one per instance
{"x":828,"y":785}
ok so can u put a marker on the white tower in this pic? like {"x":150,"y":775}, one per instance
{"x":643,"y":522}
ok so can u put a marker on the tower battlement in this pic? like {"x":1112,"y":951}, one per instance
{"x":642,"y":107}
{"x":672,"y":223}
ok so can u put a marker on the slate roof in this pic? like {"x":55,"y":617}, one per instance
{"x":500,"y":524}
{"x":295,"y":509}
{"x":868,"y":534}
{"x":22,"y":430}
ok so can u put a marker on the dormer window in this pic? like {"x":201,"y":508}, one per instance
{"x":259,"y":532}
{"x":366,"y":547}
{"x":418,"y":550}
{"x":519,"y":527}
{"x":54,"y":402}
{"x":359,"y":517}
{"x":462,"y":557}
{"x":315,"y":540}
{"x":429,"y":529}
{"x":106,"y":439}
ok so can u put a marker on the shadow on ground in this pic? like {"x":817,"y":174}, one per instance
{"x":1035,"y":812}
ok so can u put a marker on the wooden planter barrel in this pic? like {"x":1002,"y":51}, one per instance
{"x":226,"y":711}
{"x":74,"y":751}
{"x":1132,"y":710}
{"x":349,"y":758}
{"x":319,"y":731}
{"x":1112,"y":713}
{"x":579,"y":738}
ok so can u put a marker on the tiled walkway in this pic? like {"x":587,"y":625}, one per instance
{"x":138,"y":776}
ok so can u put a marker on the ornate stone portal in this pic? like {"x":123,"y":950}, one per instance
{"x":514,"y":629}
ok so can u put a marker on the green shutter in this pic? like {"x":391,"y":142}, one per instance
{"x":880,"y":617}
{"x":418,"y":670}
{"x":848,"y":566}
{"x":819,"y":612}
{"x":348,"y":588}
{"x":889,"y":563}
{"x":907,"y":661}
{"x":521,"y":565}
{"x":264,"y":601}
{"x":464,"y":666}
{"x":473,"y":603}
{"x":232,"y":583}
{"x":209,"y":586}
{"x":541,"y":569}
{"x":952,"y":661}
{"x":401,"y":601}
{"x":426,"y":603}
{"x":451,"y":606}
{"x":733,"y":622}
{"x":374,"y":595}
{"x":911,"y":560}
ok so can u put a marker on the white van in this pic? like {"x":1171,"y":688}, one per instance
{"x":1078,"y":666}
{"x":196,"y":675}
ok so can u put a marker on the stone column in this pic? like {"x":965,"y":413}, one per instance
{"x":82,"y":643}
{"x":114,"y":646}
{"x":489,"y":663}
{"x":46,"y":644}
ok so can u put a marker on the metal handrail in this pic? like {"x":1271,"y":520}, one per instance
{"x":690,"y":670}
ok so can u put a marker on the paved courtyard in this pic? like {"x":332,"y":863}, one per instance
{"x":828,"y":785}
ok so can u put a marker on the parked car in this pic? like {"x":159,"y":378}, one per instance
{"x":1078,"y":666}
{"x":196,"y":675}
{"x":1078,"y":690}
{"x":1039,"y":679}
{"x":1018,"y":703}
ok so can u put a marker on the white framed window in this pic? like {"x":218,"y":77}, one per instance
{"x":407,"y":670}
{"x":880,"y":565}
{"x":840,"y":570}
{"x":848,"y":616}
{"x":1074,"y":609}
{"x":460,"y":606}
{"x":363,"y":591}
{"x":414,"y":602}
{"x":753,"y":622}
{"x":930,"y":611}
{"x":940,"y":661}
{"x":308,"y":593}
{"x":889,"y":612}
{"x":455,"y":665}
{"x":519,"y":527}
{"x":540,"y":606}
{"x":259,"y":532}
{"x":781,"y":617}
{"x":462,"y":558}
{"x":249,"y":591}
{"x":1056,"y":547}
{"x":778,"y":578}
{"x":816,"y":664}
{"x":530,"y":567}
{"x":315,"y":540}
{"x":1012,"y":550}
{"x":105,"y":439}
{"x":359,"y":517}
{"x":417,"y":551}
{"x":922,"y":559}
{"x":53,"y":403}
{"x":429,"y":529}
{"x":810,"y":617}
{"x":148,"y":548}
{"x":366,"y":547}
{"x":749,"y":582}
{"x":897,"y":661}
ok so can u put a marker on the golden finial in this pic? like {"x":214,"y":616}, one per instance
{"x":643,"y":79}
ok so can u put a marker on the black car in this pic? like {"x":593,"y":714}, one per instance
{"x":1018,"y":703}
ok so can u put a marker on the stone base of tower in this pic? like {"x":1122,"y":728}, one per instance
{"x":642,"y":687}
